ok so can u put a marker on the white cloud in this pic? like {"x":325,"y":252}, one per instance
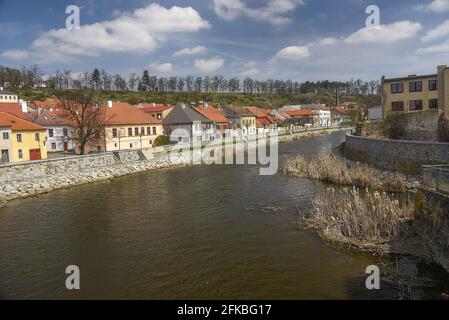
{"x":162,"y":67}
{"x":249,"y":72}
{"x":441,"y":48}
{"x":16,"y":54}
{"x":385,"y":33}
{"x":140,"y":31}
{"x":438,"y":32}
{"x":272,"y":11}
{"x":191,"y":51}
{"x":209,"y":65}
{"x":293,"y":53}
{"x":437,"y":6}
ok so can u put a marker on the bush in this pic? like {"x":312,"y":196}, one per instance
{"x":161,"y":141}
{"x":132,"y":100}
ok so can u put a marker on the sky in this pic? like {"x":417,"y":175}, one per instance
{"x":285,"y":39}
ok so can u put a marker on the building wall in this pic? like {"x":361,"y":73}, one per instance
{"x":8,"y":98}
{"x":28,"y":142}
{"x":250,"y":124}
{"x":425,"y":95}
{"x":58,"y":139}
{"x":5,"y":144}
{"x":124,"y":141}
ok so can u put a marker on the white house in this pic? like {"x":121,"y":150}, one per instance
{"x":7,"y":97}
{"x":58,"y":135}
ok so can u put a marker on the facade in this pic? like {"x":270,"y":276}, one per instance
{"x":243,"y":122}
{"x":265,"y":122}
{"x":24,"y":140}
{"x":185,"y":125}
{"x":222,"y":124}
{"x":305,"y":117}
{"x":156,"y":111}
{"x":129,"y":128}
{"x":416,"y":93}
{"x":8,"y":97}
{"x":58,"y":134}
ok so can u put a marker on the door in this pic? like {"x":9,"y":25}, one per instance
{"x":4,"y":156}
{"x":35,"y":154}
{"x":66,"y":146}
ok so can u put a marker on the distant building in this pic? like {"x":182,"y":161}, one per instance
{"x":157,"y":111}
{"x":59,"y":132}
{"x":20,"y":140}
{"x":265,"y":122}
{"x":185,"y":124}
{"x":222,"y":124}
{"x":305,"y":117}
{"x":243,"y":121}
{"x":8,"y":97}
{"x":416,"y":93}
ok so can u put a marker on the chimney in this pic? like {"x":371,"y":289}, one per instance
{"x":154,"y":104}
{"x":24,"y":106}
{"x":183,"y":105}
{"x":109,"y":104}
{"x":39,"y":110}
{"x":1,"y":88}
{"x":206,"y":105}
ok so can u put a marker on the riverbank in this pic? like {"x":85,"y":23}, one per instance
{"x":35,"y":178}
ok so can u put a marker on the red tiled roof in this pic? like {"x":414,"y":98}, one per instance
{"x":47,"y":118}
{"x":212,"y":113}
{"x":124,"y":113}
{"x":153,"y":107}
{"x":14,"y":109}
{"x":296,"y":113}
{"x":17,"y":124}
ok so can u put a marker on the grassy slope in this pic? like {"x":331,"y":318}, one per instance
{"x":261,"y":100}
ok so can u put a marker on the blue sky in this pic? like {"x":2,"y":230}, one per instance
{"x":296,"y":39}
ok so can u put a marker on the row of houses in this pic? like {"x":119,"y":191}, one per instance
{"x":34,"y":130}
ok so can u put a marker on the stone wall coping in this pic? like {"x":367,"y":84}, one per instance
{"x":399,"y":141}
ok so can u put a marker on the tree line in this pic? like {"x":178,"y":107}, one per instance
{"x":100,"y":79}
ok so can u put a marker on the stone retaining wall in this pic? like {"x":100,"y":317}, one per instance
{"x":397,"y":154}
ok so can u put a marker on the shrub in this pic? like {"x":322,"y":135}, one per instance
{"x":443,"y":128}
{"x":161,"y":141}
{"x":393,"y":127}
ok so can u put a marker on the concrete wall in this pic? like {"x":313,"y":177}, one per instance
{"x":421,"y":126}
{"x":397,"y":154}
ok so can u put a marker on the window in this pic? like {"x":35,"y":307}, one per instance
{"x":159,"y":116}
{"x":51,"y":133}
{"x":142,"y":131}
{"x":53,"y":146}
{"x":154,"y":131}
{"x":415,"y":105}
{"x":19,"y":137}
{"x":20,"y":154}
{"x":97,"y":134}
{"x":151,"y":143}
{"x":433,"y":85}
{"x":114,"y":133}
{"x":98,"y":148}
{"x":415,"y":86}
{"x":433,"y":104}
{"x":397,"y":88}
{"x":148,"y":130}
{"x":37,"y":137}
{"x":130,"y":132}
{"x":130,"y":145}
{"x":65,"y":132}
{"x":397,"y":106}
{"x":5,"y":135}
{"x":136,"y":131}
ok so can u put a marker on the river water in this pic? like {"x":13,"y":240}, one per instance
{"x":183,"y":233}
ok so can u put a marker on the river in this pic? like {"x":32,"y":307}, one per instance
{"x":182,"y":233}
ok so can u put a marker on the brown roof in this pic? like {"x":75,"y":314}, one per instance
{"x":17,"y":124}
{"x":212,"y":113}
{"x":153,"y":107}
{"x":124,"y":113}
{"x":296,"y":113}
{"x":14,"y":109}
{"x":46,"y":118}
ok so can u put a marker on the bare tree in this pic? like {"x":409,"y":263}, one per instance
{"x":85,"y":115}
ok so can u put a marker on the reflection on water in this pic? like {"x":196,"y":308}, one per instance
{"x":181,"y":234}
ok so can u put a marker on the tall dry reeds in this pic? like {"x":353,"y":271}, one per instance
{"x":367,"y":217}
{"x":328,"y":168}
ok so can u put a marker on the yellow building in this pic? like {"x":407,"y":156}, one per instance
{"x":416,"y":93}
{"x":21,"y":140}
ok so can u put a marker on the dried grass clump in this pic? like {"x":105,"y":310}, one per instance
{"x":371,"y":217}
{"x":365,"y":217}
{"x":328,"y":168}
